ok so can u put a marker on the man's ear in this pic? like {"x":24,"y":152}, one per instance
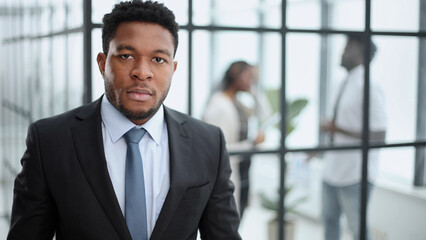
{"x":101,"y":59}
{"x":175,"y":63}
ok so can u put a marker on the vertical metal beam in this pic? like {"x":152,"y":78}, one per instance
{"x":261,"y":36}
{"x":51,"y":88}
{"x":420,"y":166}
{"x":325,"y":12}
{"x":190,"y":33}
{"x":283,"y":124}
{"x":366,"y":124}
{"x":262,"y":55}
{"x":87,"y":51}
{"x":212,"y":48}
{"x":4,"y":16}
{"x":261,"y":41}
{"x":66,"y":61}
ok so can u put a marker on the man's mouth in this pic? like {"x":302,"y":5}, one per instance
{"x":139,"y":94}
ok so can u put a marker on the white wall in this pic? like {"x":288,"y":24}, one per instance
{"x":396,"y":215}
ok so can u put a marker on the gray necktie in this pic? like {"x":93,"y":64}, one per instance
{"x":135,"y":208}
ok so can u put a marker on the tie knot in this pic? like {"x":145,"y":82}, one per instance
{"x":134,"y":135}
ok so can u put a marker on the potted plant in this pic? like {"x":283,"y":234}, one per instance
{"x":272,"y":204}
{"x":294,"y":108}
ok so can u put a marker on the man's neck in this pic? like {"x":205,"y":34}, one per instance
{"x":353,"y":67}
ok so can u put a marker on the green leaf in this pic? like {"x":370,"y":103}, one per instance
{"x":295,"y":107}
{"x":272,"y":203}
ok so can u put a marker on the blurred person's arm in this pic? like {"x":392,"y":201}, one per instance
{"x":331,"y":127}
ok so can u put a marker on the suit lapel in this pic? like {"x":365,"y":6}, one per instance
{"x":180,"y":157}
{"x":89,"y":145}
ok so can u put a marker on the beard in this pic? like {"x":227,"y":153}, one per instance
{"x":137,"y":115}
{"x":113,"y":97}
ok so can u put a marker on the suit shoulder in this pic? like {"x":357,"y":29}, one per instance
{"x":67,"y":118}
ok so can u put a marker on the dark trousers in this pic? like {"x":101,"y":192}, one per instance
{"x":244,"y":168}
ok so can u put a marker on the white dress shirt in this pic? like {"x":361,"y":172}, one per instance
{"x":154,"y":148}
{"x":343,"y":168}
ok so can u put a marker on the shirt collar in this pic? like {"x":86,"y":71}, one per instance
{"x":117,"y":124}
{"x":357,"y":72}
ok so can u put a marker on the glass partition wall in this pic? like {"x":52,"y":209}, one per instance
{"x":41,"y":74}
{"x":48,"y":65}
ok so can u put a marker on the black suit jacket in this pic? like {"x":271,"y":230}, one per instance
{"x":64,"y":186}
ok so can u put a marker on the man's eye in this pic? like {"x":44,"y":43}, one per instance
{"x":159,"y":60}
{"x":125,"y":56}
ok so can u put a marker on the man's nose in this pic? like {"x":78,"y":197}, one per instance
{"x":142,"y":70}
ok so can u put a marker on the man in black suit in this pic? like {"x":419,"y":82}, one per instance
{"x":72,"y":182}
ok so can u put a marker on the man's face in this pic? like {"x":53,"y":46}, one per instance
{"x":138,"y":69}
{"x":352,"y":55}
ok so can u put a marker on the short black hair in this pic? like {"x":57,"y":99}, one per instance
{"x":137,"y":10}
{"x":360,"y":39}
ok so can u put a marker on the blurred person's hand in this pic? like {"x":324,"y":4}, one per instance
{"x":260,"y":138}
{"x":311,"y":155}
{"x":328,"y":126}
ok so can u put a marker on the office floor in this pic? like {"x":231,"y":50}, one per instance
{"x":254,"y":227}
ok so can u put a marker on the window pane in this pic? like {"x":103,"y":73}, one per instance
{"x":270,"y":78}
{"x":271,"y":13}
{"x":399,"y":77}
{"x":303,"y":201}
{"x":45,"y":17}
{"x":14,"y":30}
{"x":97,"y":82}
{"x":264,"y":181}
{"x":304,"y":14}
{"x":227,"y":13}
{"x":178,"y":94}
{"x":395,"y":15}
{"x":58,"y":15}
{"x":314,"y":14}
{"x":397,"y":165}
{"x":18,"y":85}
{"x":25,"y":82}
{"x":100,"y":8}
{"x":75,"y":70}
{"x":46,"y":78}
{"x":14,"y":113}
{"x":202,"y":73}
{"x":348,"y":14}
{"x":27,"y":20}
{"x":302,"y":70}
{"x":59,"y":84}
{"x":179,"y":8}
{"x":75,"y":13}
{"x":34,"y":17}
{"x":38,"y":79}
{"x":394,"y":200}
{"x":243,"y":13}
